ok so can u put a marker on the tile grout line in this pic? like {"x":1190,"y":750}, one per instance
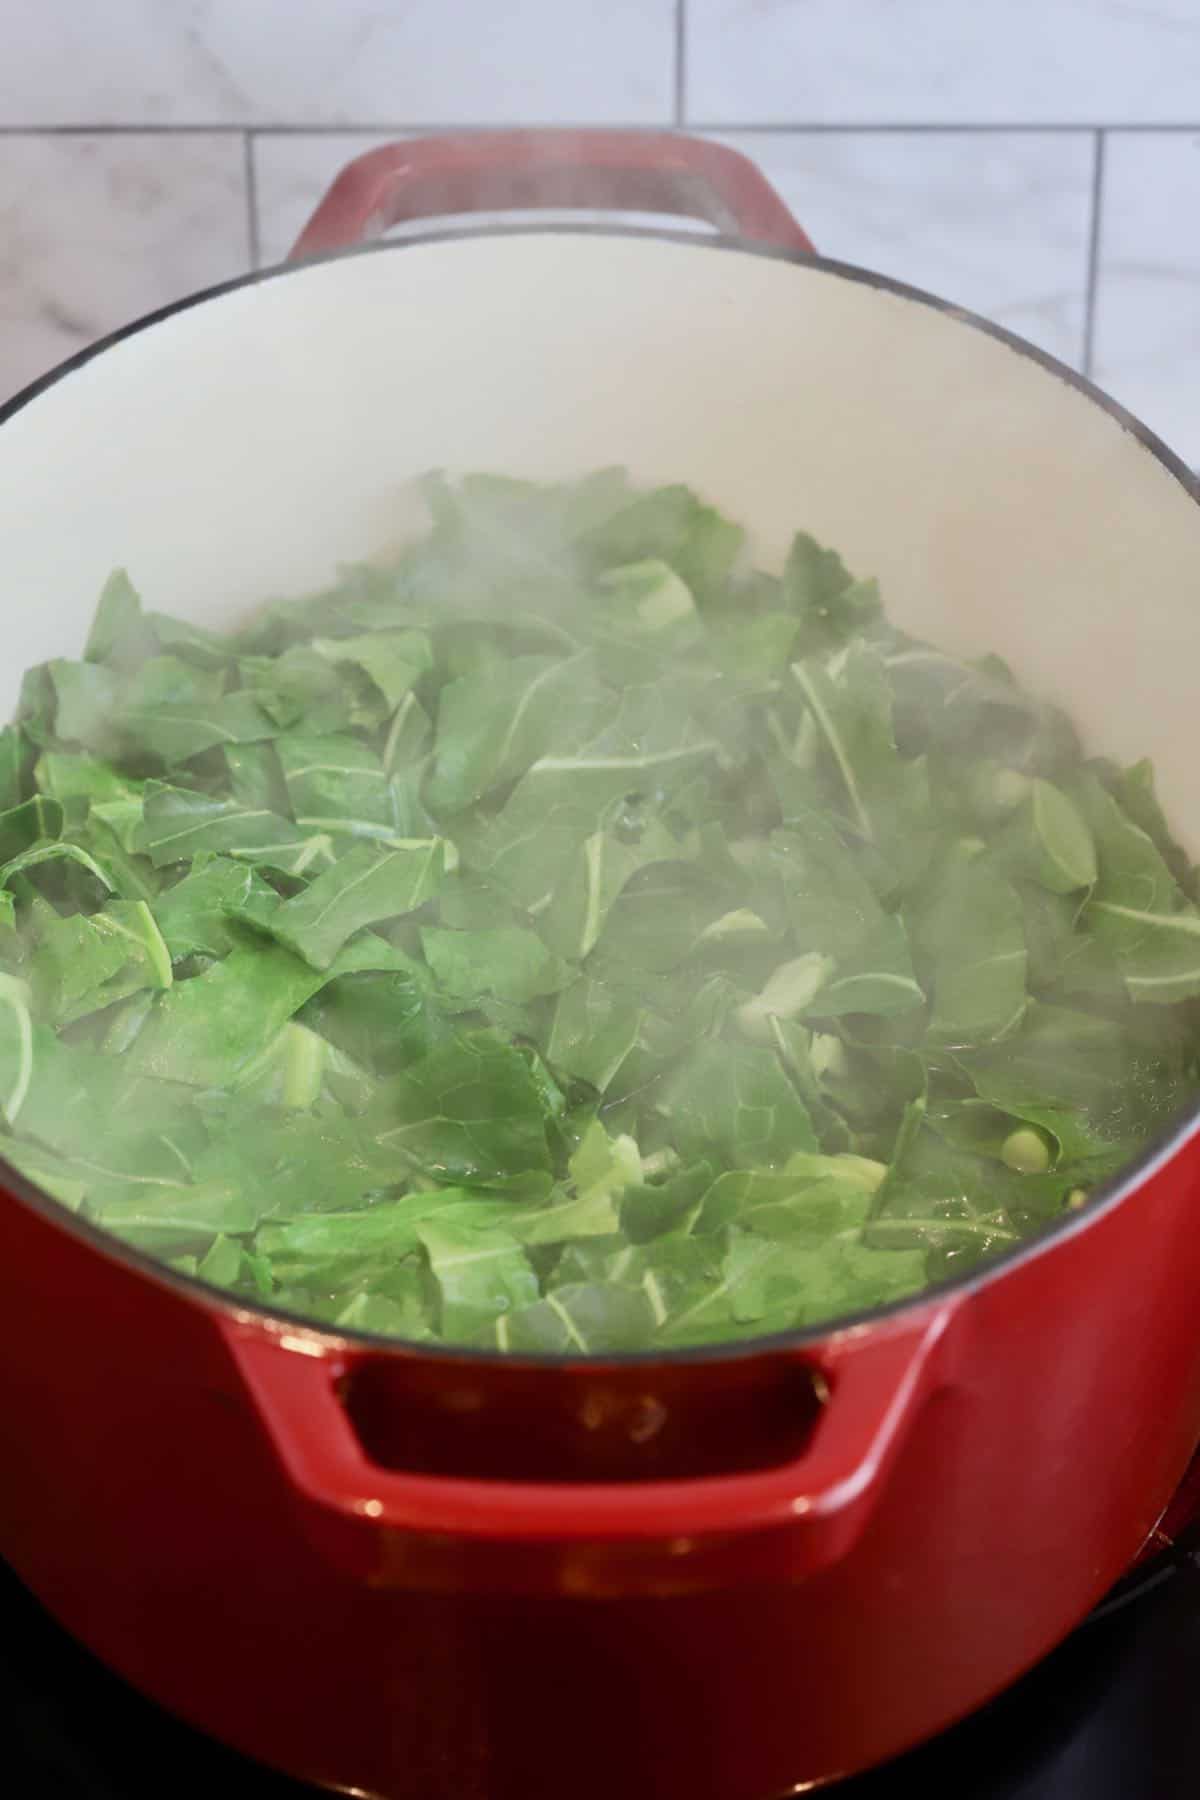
{"x":788,"y":128}
{"x":943,"y":127}
{"x":680,"y":61}
{"x":1093,"y":254}
{"x":251,"y":177}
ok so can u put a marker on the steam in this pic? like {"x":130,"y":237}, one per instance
{"x":762,"y":875}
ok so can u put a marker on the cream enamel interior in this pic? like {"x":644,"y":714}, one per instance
{"x":243,"y":447}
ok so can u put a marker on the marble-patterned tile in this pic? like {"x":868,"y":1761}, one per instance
{"x":292,"y":171}
{"x":95,"y":231}
{"x":995,"y":221}
{"x":306,"y":62}
{"x":943,"y":61}
{"x":1146,"y":344}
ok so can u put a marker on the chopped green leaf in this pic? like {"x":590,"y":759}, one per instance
{"x":367,"y":885}
{"x":562,"y":938}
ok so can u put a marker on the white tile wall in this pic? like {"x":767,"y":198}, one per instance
{"x":333,"y":62}
{"x":870,"y":62}
{"x":995,"y":221}
{"x":148,"y":147}
{"x":95,"y":231}
{"x":291,"y":174}
{"x":1147,"y":331}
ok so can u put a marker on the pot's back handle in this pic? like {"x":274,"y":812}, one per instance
{"x":502,"y":171}
{"x":390,"y":1525}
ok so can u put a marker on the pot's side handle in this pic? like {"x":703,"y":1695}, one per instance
{"x":804,"y":1513}
{"x":499,"y":171}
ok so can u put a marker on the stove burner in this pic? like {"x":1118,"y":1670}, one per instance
{"x":1181,"y":1516}
{"x":1176,"y":1535}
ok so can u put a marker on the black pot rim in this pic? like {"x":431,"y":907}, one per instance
{"x":1108,"y":1195}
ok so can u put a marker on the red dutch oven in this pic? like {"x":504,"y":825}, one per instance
{"x":726,"y":1575}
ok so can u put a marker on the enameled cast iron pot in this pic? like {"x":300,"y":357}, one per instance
{"x":734,"y":1575}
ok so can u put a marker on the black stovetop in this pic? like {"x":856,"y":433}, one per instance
{"x":1112,"y":1715}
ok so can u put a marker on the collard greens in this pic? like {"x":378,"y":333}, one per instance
{"x":564,"y":938}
